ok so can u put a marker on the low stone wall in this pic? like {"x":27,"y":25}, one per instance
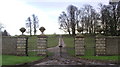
{"x":112,"y":45}
{"x":9,"y":45}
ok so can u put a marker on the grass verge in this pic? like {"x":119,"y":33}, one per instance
{"x":0,"y":60}
{"x":113,"y":58}
{"x":12,"y":60}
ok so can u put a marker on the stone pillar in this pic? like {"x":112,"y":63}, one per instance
{"x":79,"y":46}
{"x":42,"y":45}
{"x":100,"y":45}
{"x":22,"y":46}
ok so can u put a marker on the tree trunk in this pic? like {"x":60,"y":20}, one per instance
{"x":73,"y":29}
{"x":30,"y":28}
{"x":69,"y":31}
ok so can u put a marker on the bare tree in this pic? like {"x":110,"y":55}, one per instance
{"x":32,"y":24}
{"x":29,"y":25}
{"x":64,"y":22}
{"x":110,"y":16}
{"x":72,"y":13}
{"x":69,"y":20}
{"x":35,"y":23}
{"x":89,"y":18}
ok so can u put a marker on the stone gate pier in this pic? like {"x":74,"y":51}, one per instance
{"x":42,"y":45}
{"x":22,"y":46}
{"x":79,"y":45}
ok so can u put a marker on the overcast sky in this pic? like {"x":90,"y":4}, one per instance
{"x":14,"y":13}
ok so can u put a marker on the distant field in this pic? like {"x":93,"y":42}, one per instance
{"x":52,"y":40}
{"x":32,"y":44}
{"x":69,"y":42}
{"x":89,"y":45}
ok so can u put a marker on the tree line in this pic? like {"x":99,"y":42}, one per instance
{"x":105,"y":21}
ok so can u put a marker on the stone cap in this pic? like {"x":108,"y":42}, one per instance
{"x":42,"y":36}
{"x":99,"y":35}
{"x":79,"y":36}
{"x":102,"y":36}
{"x":22,"y":36}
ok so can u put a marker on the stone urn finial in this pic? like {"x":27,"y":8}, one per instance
{"x":80,"y":29}
{"x":22,"y":30}
{"x":42,"y":29}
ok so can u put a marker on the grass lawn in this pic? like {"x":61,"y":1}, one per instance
{"x":0,"y":60}
{"x":113,"y":58}
{"x":52,"y":40}
{"x":12,"y":60}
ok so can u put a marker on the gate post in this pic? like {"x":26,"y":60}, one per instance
{"x":42,"y":45}
{"x":26,"y":49}
{"x":79,"y":45}
{"x":22,"y":43}
{"x":100,"y":45}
